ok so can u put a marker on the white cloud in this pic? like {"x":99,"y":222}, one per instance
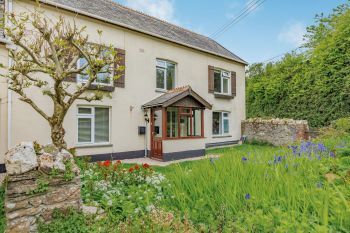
{"x":293,"y":33}
{"x":163,"y":9}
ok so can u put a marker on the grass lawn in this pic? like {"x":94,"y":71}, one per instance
{"x":250,"y":188}
{"x":263,"y":189}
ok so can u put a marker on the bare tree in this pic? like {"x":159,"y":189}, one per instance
{"x":45,"y":55}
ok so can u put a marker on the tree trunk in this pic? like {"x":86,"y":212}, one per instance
{"x":57,"y":135}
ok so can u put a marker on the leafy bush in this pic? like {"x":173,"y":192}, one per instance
{"x":70,"y":222}
{"x":342,"y":124}
{"x":313,"y":85}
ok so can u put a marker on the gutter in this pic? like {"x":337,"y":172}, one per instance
{"x":58,"y":5}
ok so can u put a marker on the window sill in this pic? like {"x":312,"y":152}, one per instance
{"x":106,"y":88}
{"x":161,"y":90}
{"x":223,"y":96}
{"x":221,"y":136}
{"x":93,"y":145}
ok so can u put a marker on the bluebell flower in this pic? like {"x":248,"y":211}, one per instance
{"x":294,"y":149}
{"x":244,"y":159}
{"x":321,"y":147}
{"x":332,"y":154}
{"x":247,"y":196}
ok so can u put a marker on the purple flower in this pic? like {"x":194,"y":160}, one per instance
{"x":247,"y":196}
{"x":244,"y":159}
{"x":294,"y":149}
{"x":321,"y":147}
{"x":332,"y":154}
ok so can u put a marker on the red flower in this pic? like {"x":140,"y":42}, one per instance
{"x":146,"y":165}
{"x":119,"y":162}
{"x":99,"y":163}
{"x":137,"y":167}
{"x":131,"y":169}
{"x":106,"y":163}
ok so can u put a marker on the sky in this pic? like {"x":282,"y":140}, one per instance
{"x":275,"y":27}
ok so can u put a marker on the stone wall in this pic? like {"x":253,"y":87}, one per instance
{"x":275,"y":131}
{"x":38,"y":184}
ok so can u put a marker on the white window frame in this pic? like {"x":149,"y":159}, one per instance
{"x":163,"y":67}
{"x":221,"y":124}
{"x":224,"y":75}
{"x":92,"y":117}
{"x":95,"y":82}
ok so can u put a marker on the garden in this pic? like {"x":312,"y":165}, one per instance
{"x":249,"y":188}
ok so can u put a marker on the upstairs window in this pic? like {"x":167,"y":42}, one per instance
{"x":104,"y":78}
{"x":221,"y":123}
{"x":165,"y":75}
{"x":222,"y":82}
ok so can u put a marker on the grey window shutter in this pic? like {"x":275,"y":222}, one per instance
{"x":120,"y":82}
{"x":211,"y":79}
{"x":233,"y":83}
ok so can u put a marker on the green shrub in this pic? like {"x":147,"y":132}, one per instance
{"x":342,"y":124}
{"x":69,"y":222}
{"x":313,"y":85}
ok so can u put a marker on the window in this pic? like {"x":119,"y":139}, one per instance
{"x":103,"y":78}
{"x":165,"y":75}
{"x":93,"y":125}
{"x":221,"y":123}
{"x":184,"y":122}
{"x":222,"y":82}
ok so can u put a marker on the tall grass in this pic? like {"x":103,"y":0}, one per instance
{"x":261,"y":189}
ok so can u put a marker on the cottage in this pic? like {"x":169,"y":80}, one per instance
{"x":180,"y":92}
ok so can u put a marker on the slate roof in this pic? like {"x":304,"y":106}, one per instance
{"x":114,"y":13}
{"x":174,"y":95}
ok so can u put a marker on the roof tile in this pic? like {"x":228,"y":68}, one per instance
{"x":121,"y":15}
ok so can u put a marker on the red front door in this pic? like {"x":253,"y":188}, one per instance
{"x":156,"y":134}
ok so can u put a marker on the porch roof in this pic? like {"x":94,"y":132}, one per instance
{"x":172,"y":96}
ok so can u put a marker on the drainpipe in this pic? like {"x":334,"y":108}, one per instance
{"x":9,"y":98}
{"x":146,"y":149}
{"x":146,"y":138}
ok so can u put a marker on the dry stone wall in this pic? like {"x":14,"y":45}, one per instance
{"x":275,"y":131}
{"x":37,"y":187}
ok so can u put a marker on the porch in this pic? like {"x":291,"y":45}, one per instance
{"x":177,"y":124}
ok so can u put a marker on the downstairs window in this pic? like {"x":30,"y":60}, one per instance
{"x":93,"y":125}
{"x":221,"y":123}
{"x":184,"y":122}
